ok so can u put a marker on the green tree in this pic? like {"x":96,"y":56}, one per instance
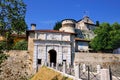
{"x":12,"y":19}
{"x":2,"y":55}
{"x":115,"y":35}
{"x":21,"y":45}
{"x":101,"y":42}
{"x":107,"y":37}
{"x":57,"y":26}
{"x":12,"y":15}
{"x":2,"y":45}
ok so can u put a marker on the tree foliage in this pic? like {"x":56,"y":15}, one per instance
{"x":57,"y":26}
{"x":21,"y":45}
{"x":12,"y":19}
{"x":115,"y":35}
{"x":2,"y":45}
{"x":12,"y":15}
{"x":3,"y":57}
{"x":107,"y":37}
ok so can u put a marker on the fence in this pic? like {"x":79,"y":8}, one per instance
{"x":114,"y":73}
{"x":83,"y":71}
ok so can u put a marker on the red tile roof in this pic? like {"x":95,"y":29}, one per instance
{"x":79,"y":39}
{"x":51,"y":31}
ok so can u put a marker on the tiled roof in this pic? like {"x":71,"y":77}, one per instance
{"x":79,"y":39}
{"x":51,"y":31}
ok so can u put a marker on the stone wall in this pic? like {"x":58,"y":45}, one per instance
{"x":16,"y":52}
{"x":103,"y":59}
{"x":17,"y":66}
{"x":22,"y":54}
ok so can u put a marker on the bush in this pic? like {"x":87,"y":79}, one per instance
{"x":2,"y":45}
{"x":6,"y":45}
{"x":3,"y":57}
{"x":21,"y":45}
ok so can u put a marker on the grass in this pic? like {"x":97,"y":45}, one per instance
{"x":45,"y":73}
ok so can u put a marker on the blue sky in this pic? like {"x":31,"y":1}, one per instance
{"x":45,"y":13}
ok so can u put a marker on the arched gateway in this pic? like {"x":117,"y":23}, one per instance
{"x":52,"y":56}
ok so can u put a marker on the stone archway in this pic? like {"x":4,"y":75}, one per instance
{"x":52,"y":56}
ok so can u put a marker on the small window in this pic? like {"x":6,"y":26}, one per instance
{"x":64,"y":60}
{"x":39,"y":61}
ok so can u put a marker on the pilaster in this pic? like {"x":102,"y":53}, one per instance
{"x":35,"y":55}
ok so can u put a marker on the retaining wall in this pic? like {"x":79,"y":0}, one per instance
{"x":103,"y":59}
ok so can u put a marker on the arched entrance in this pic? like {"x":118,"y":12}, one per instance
{"x":52,"y":56}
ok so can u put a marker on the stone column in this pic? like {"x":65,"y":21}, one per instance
{"x":68,"y":65}
{"x":35,"y":57}
{"x":46,"y":55}
{"x":64,"y":67}
{"x":84,"y":67}
{"x":60,"y":58}
{"x":104,"y":74}
{"x":52,"y":65}
{"x":76,"y":69}
{"x":43,"y":55}
{"x":69,"y":54}
{"x":56,"y":66}
{"x":98,"y":68}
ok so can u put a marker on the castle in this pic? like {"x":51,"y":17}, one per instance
{"x":52,"y":46}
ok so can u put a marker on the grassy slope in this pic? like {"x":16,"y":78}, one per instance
{"x":47,"y":74}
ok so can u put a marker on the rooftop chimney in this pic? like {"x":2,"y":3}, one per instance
{"x":33,"y":26}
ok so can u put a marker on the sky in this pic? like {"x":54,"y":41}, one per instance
{"x":45,"y":13}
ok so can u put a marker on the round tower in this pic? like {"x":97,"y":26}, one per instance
{"x":68,"y":25}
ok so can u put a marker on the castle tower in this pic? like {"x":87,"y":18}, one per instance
{"x":68,"y":25}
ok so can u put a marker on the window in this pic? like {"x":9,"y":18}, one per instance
{"x":39,"y":61}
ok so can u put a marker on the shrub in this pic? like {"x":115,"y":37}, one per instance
{"x":2,"y":45}
{"x":3,"y":57}
{"x":21,"y":45}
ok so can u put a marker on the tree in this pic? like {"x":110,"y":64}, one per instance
{"x":115,"y":35}
{"x":2,"y":55}
{"x":2,"y":45}
{"x":12,"y":15}
{"x":57,"y":26}
{"x":101,"y":42}
{"x":12,"y":18}
{"x":107,"y":37}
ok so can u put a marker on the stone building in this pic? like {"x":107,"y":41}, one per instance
{"x":52,"y":46}
{"x":15,"y":37}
